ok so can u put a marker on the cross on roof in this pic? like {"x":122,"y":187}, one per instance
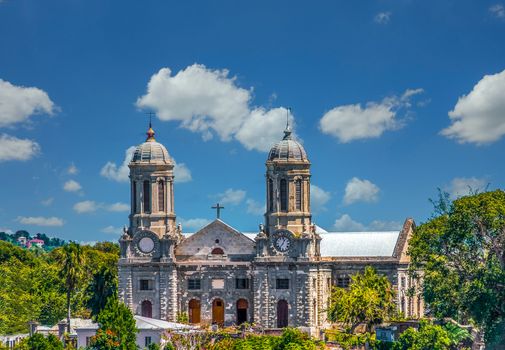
{"x":218,"y":210}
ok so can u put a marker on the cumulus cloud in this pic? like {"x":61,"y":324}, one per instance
{"x":210,"y":102}
{"x":231,"y":196}
{"x":358,"y":190}
{"x":346,"y":224}
{"x":89,"y":206}
{"x":194,"y":224}
{"x":255,"y":207}
{"x":382,"y":17}
{"x":112,"y":230}
{"x":318,"y":197}
{"x":119,"y":173}
{"x":118,"y":207}
{"x":86,"y":207}
{"x":181,"y":173}
{"x":463,"y":186}
{"x":354,"y":122}
{"x":72,"y":186}
{"x":18,"y":103}
{"x":498,"y":10}
{"x":40,"y":221}
{"x":12,"y":148}
{"x":479,"y":116}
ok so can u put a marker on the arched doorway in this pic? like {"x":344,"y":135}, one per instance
{"x":282,"y":314}
{"x":194,"y":311}
{"x":242,"y":306}
{"x":218,"y":312}
{"x":147,"y":309}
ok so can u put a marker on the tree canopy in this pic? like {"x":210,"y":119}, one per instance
{"x":369,"y":300}
{"x":461,"y":252}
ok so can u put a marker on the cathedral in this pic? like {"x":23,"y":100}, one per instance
{"x":280,"y":276}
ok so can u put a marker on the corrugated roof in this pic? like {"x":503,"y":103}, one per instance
{"x":337,"y":244}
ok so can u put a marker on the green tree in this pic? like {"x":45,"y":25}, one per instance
{"x":461,"y":251}
{"x":369,"y":300}
{"x":71,"y":261}
{"x":117,"y":319}
{"x":102,"y":287}
{"x":429,"y":337}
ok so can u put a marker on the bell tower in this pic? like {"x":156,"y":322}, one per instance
{"x":288,"y":187}
{"x":152,"y":188}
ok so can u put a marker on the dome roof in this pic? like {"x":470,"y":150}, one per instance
{"x":288,"y":150}
{"x":151,"y":151}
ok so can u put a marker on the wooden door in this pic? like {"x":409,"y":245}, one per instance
{"x":282,"y":314}
{"x":218,"y":312}
{"x":242,"y":305}
{"x":147,"y":309}
{"x":194,"y":311}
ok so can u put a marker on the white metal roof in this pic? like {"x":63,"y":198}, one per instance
{"x":348,"y":244}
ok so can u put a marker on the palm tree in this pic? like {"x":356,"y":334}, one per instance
{"x":71,"y":260}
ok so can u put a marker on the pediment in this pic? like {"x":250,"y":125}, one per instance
{"x":216,"y":235}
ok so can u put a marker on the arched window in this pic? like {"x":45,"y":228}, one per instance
{"x":284,"y":195}
{"x":134,"y":196}
{"x":147,"y":196}
{"x":217,"y":251}
{"x":270,"y":195}
{"x":298,"y":188}
{"x":147,"y":309}
{"x":161,"y":196}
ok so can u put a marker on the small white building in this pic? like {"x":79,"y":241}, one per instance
{"x":150,"y":330}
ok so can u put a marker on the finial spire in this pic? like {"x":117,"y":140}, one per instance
{"x":150,"y":131}
{"x":287,"y":131}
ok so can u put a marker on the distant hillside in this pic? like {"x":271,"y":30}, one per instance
{"x":24,"y":239}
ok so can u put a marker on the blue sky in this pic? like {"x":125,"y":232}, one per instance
{"x":390,"y":99}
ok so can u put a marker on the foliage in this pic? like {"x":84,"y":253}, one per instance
{"x":31,"y":287}
{"x":103,"y":285}
{"x":369,"y":299}
{"x":105,"y":340}
{"x":182,"y":317}
{"x":39,"y":342}
{"x":49,"y":242}
{"x":429,"y":337}
{"x":461,"y":252}
{"x":117,"y":318}
{"x":153,"y":346}
{"x":349,"y":341}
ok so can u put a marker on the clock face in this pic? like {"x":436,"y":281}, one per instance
{"x":146,"y":245}
{"x":282,"y":243}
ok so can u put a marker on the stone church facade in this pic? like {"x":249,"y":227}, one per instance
{"x":280,"y":276}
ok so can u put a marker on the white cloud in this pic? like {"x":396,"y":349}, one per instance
{"x":40,"y":221}
{"x":211,"y":103}
{"x":6,"y":230}
{"x":346,"y":223}
{"x":12,"y":148}
{"x":118,"y":207}
{"x":72,"y":186}
{"x":358,"y":190}
{"x":479,"y":117}
{"x":86,"y":207}
{"x":72,"y":169}
{"x":382,"y":17}
{"x":354,"y":122}
{"x":497,"y":10}
{"x":112,"y":230}
{"x":462,"y":186}
{"x":18,"y":103}
{"x":118,"y":173}
{"x":318,"y":197}
{"x":193,"y":224}
{"x":47,"y":202}
{"x":181,"y":173}
{"x":231,"y":196}
{"x":255,"y":207}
